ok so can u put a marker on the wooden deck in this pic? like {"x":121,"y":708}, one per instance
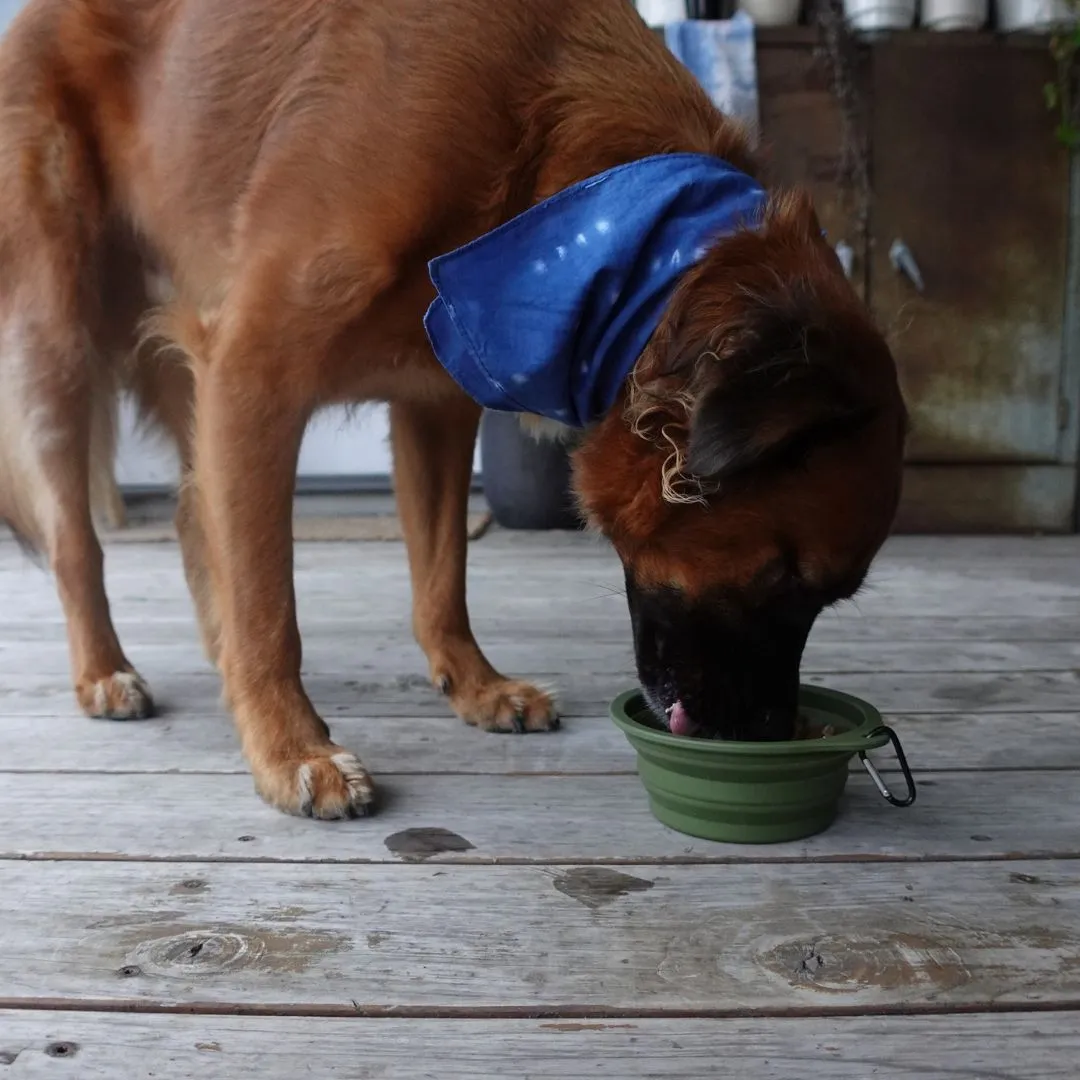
{"x":515,"y":911}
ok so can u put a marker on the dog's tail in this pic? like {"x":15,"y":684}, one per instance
{"x":58,"y":399}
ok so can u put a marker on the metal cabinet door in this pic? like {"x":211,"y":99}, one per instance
{"x":969,"y":181}
{"x":968,"y":175}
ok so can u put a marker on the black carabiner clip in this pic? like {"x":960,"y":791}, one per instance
{"x":876,"y":776}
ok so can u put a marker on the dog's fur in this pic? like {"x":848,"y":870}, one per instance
{"x":227,"y":209}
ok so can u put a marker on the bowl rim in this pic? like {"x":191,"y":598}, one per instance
{"x":869,"y":734}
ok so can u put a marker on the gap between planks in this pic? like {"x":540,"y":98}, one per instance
{"x":658,"y":862}
{"x":364,"y":1011}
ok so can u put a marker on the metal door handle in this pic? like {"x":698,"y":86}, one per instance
{"x":846,"y":254}
{"x":903,"y":262}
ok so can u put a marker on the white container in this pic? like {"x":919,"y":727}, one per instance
{"x":1033,"y":16}
{"x":954,"y":14}
{"x":661,"y":12}
{"x":865,"y":16}
{"x":772,"y":12}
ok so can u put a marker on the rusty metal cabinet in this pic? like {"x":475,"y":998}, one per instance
{"x":964,"y":171}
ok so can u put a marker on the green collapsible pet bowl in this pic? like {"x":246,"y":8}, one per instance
{"x":757,"y":792}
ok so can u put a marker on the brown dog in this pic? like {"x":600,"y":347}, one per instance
{"x":229,"y":210}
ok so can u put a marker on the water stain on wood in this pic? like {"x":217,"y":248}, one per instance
{"x":184,"y":951}
{"x":400,"y":683}
{"x":975,"y":693}
{"x":416,"y":845}
{"x":597,"y":886}
{"x":209,"y":1047}
{"x":376,"y":938}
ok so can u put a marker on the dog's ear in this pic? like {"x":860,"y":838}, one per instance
{"x":770,"y":399}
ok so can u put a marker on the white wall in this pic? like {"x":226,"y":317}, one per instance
{"x":334,"y":446}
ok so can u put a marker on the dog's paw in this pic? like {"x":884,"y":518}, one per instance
{"x":508,"y":706}
{"x":326,"y":782}
{"x":123,"y":695}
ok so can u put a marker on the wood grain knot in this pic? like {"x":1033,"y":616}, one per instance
{"x":184,"y":951}
{"x":198,"y":953}
{"x":898,"y":961}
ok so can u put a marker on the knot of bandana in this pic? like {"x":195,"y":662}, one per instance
{"x":548,"y":313}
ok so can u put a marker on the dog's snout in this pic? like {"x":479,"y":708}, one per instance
{"x":712,"y":674}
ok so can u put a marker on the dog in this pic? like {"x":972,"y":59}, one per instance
{"x":241,"y":213}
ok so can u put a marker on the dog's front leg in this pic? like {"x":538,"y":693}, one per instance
{"x":433,"y":452}
{"x":250,"y":415}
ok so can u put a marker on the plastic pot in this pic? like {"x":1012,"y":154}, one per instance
{"x":660,"y":12}
{"x":866,"y":16}
{"x":526,"y":480}
{"x":1033,"y":16}
{"x":772,"y":12}
{"x":945,"y":15}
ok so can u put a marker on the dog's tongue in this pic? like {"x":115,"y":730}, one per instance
{"x":679,"y":720}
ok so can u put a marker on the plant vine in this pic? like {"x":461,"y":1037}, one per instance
{"x":1062,"y":96}
{"x":839,"y":49}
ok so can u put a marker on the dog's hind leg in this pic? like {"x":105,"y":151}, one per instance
{"x":57,"y":388}
{"x":51,"y":399}
{"x":433,"y":452}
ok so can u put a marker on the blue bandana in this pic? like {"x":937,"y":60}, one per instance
{"x":549,"y":312}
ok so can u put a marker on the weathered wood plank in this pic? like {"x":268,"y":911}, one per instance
{"x":205,"y":742}
{"x":608,"y":628}
{"x":563,"y":597}
{"x":108,"y":1046}
{"x":498,"y":542}
{"x":347,"y":694}
{"x":747,"y":939}
{"x":507,"y":546}
{"x":533,"y":819}
{"x":973,"y":589}
{"x":344,"y":647}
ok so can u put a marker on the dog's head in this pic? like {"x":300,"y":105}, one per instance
{"x":748,"y":475}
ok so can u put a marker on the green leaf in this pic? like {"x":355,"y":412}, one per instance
{"x":1051,"y":95}
{"x":1068,"y":136}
